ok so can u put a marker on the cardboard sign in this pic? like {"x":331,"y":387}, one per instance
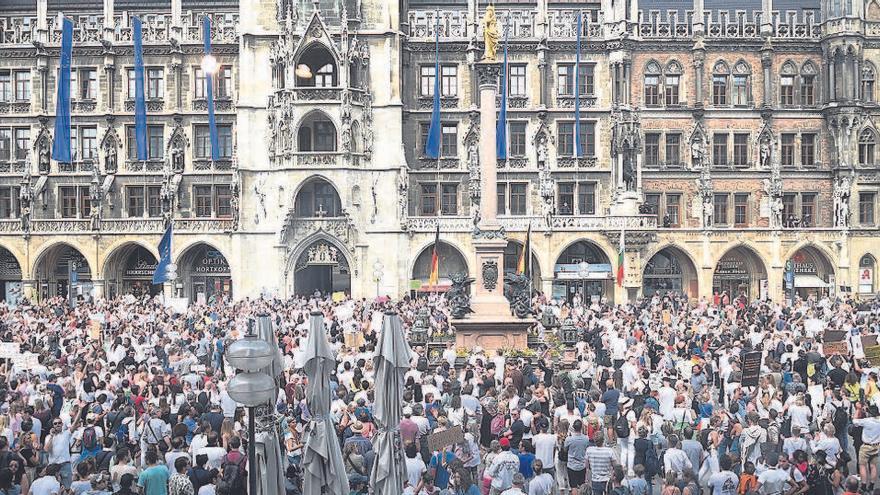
{"x":751,"y":368}
{"x":834,"y":335}
{"x":438,"y":441}
{"x":872,"y":354}
{"x":869,"y":340}
{"x":9,"y":349}
{"x":832,"y":348}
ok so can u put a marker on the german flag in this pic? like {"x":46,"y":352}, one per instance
{"x":522,"y":265}
{"x":435,"y":260}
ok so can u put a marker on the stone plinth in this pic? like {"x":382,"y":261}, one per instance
{"x":626,"y":204}
{"x":492,"y":332}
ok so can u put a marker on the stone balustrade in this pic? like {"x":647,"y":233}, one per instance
{"x":558,"y":223}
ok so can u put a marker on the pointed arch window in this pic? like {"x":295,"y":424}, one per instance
{"x":868,"y":74}
{"x":867,"y":143}
{"x":808,"y":84}
{"x":720,"y":81}
{"x":672,"y":82}
{"x":742,"y":91}
{"x":787,"y":84}
{"x":653,"y":72}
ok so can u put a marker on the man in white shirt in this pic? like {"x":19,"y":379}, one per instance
{"x":58,"y":446}
{"x":48,"y":483}
{"x":666,"y":398}
{"x":870,"y":448}
{"x":545,"y":450}
{"x":415,"y":466}
{"x":675,"y":459}
{"x":774,"y":480}
{"x":542,"y":483}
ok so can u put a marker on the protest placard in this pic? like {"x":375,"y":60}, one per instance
{"x":445,"y":438}
{"x":751,"y":368}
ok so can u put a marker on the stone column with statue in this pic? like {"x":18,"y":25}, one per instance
{"x":491,"y":324}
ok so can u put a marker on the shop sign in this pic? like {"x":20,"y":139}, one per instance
{"x":866,"y":280}
{"x":731,"y":269}
{"x":805,"y":268}
{"x":572,"y":271}
{"x":141,"y":269}
{"x":213,"y":263}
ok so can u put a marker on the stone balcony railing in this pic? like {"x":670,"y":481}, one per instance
{"x":118,"y":225}
{"x":12,"y":166}
{"x":92,"y":29}
{"x":15,"y":107}
{"x":519,"y":23}
{"x":559,"y":223}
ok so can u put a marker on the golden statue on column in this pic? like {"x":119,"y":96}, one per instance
{"x":490,"y":34}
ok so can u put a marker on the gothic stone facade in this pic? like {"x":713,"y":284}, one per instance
{"x":746,"y":138}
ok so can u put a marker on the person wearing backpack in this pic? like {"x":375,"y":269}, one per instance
{"x":645,"y":455}
{"x":91,"y":438}
{"x":233,"y":477}
{"x":623,"y":426}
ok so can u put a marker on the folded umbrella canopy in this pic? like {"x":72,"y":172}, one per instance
{"x":391,"y":363}
{"x":324,"y":470}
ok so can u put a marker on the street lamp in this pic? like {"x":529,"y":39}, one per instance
{"x":583,"y":272}
{"x":251,"y":386}
{"x":377,"y":274}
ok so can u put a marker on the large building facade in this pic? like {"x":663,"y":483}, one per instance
{"x":744,"y":134}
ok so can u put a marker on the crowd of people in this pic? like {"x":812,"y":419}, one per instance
{"x":129,"y":396}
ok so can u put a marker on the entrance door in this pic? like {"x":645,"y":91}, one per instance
{"x":314,"y":278}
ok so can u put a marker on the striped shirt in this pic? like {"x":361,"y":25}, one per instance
{"x":599,"y":459}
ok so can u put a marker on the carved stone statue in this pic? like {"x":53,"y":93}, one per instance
{"x":517,"y":292}
{"x":44,"y":154}
{"x":708,"y":211}
{"x":459,"y":295}
{"x":765,"y":154}
{"x":24,"y":198}
{"x":629,"y":173}
{"x":490,"y":34}
{"x":177,"y":163}
{"x":842,"y":189}
{"x":541,"y":148}
{"x":776,"y":208}
{"x":403,"y":193}
{"x":548,"y":195}
{"x":697,"y":152}
{"x":110,"y":163}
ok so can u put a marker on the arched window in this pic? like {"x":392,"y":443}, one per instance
{"x":720,"y":76}
{"x":742,"y":89}
{"x":868,"y":82}
{"x":787,"y":84}
{"x":317,"y":198}
{"x":672,"y":82}
{"x":808,"y":83}
{"x":316,"y":67}
{"x":867,"y":140}
{"x":316,"y":133}
{"x":652,"y":84}
{"x":867,"y":274}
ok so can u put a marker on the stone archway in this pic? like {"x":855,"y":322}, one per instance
{"x":61,"y":268}
{"x":670,"y":270}
{"x":813,"y":272}
{"x":740,"y":271}
{"x":129,"y":269}
{"x":584,"y":270}
{"x":450,"y":261}
{"x":204,"y":274}
{"x":512,"y":253}
{"x":322,"y":267}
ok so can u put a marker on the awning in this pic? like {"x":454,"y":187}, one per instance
{"x":809,"y":282}
{"x":108,"y":182}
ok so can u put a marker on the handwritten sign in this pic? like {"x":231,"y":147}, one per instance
{"x":445,"y":438}
{"x":751,"y":368}
{"x":872,"y":354}
{"x":832,"y":348}
{"x":9,"y":349}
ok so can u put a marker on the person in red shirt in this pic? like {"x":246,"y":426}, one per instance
{"x":852,"y":486}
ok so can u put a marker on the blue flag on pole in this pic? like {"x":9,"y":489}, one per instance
{"x":578,"y":149}
{"x":432,"y":143}
{"x":61,"y":143}
{"x":140,"y":104}
{"x":209,"y":81}
{"x":501,"y":127}
{"x":161,"y":274}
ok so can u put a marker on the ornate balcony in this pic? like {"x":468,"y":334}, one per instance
{"x":462,"y":224}
{"x":15,"y":107}
{"x":564,"y":101}
{"x":297,"y":229}
{"x":13,"y":167}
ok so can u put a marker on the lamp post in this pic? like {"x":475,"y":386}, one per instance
{"x":377,"y":274}
{"x":251,"y":387}
{"x":583,"y":272}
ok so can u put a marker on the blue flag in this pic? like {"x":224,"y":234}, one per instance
{"x":209,"y":81}
{"x":161,"y":274}
{"x":432,"y":144}
{"x":61,"y":143}
{"x":578,"y":150}
{"x":140,"y":105}
{"x":501,"y":126}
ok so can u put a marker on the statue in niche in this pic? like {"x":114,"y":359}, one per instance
{"x":765,"y":153}
{"x":110,"y":158}
{"x":44,"y":157}
{"x":841,"y":202}
{"x":629,"y":176}
{"x":697,"y":152}
{"x":177,"y":162}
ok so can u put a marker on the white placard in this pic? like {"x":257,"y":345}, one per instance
{"x":9,"y":349}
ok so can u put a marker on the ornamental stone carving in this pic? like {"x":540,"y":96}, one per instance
{"x":490,"y":275}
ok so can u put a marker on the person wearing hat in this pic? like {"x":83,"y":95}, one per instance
{"x":409,"y":430}
{"x":362,"y":444}
{"x":504,"y":467}
{"x":624,"y":426}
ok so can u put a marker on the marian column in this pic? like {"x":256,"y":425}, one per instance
{"x":491,"y":326}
